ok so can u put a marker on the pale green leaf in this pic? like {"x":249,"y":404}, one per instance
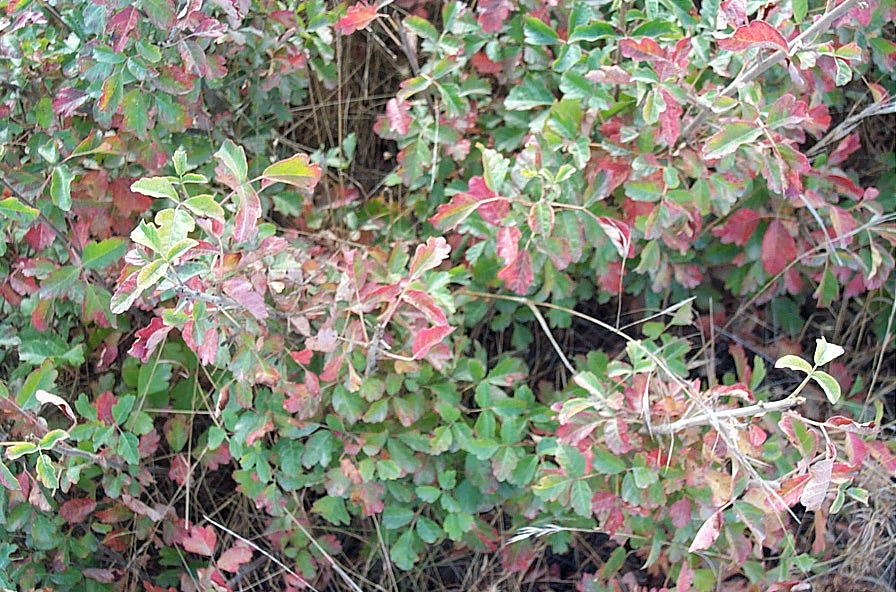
{"x":794,"y":363}
{"x":828,"y":384}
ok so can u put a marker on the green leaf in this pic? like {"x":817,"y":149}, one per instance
{"x":51,"y":438}
{"x":422,"y":28}
{"x":233,"y":157}
{"x":21,"y":449}
{"x":16,"y":210}
{"x":826,"y":352}
{"x":571,"y":460}
{"x":607,"y":463}
{"x":589,"y":382}
{"x":98,"y":255}
{"x":800,"y":9}
{"x":388,"y":469}
{"x":127,"y":448}
{"x":403,"y":552}
{"x":155,"y":187}
{"x":205,"y":205}
{"x":397,"y":516}
{"x":179,"y":248}
{"x":151,"y":273}
{"x":297,"y":170}
{"x":828,"y":384}
{"x":147,"y":234}
{"x":7,"y":479}
{"x":61,"y":187}
{"x":494,"y":168}
{"x":592,"y":32}
{"x":122,"y":408}
{"x":580,"y":498}
{"x":538,"y":33}
{"x":135,"y":109}
{"x":427,"y":529}
{"x":794,"y":363}
{"x":456,"y":524}
{"x":533,"y":92}
{"x":46,"y":472}
{"x":732,"y":136}
{"x":332,"y":509}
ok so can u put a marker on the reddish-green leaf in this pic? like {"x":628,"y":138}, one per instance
{"x":756,"y":34}
{"x":730,"y":138}
{"x":231,"y":559}
{"x":201,"y":540}
{"x":778,"y":248}
{"x":428,"y":256}
{"x":707,"y":534}
{"x":241,"y":290}
{"x":296,"y":170}
{"x":428,"y":338}
{"x":356,"y":18}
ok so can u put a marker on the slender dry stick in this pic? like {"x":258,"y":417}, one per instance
{"x":550,"y":336}
{"x":336,"y":567}
{"x":260,"y":550}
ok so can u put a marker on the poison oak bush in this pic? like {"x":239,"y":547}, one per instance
{"x":158,"y":327}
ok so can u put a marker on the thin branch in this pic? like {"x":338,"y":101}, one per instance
{"x":706,"y":418}
{"x":260,"y":550}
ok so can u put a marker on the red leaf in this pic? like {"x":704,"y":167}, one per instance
{"x":817,"y":487}
{"x":138,"y":507}
{"x":68,"y":100}
{"x":200,"y":540}
{"x":179,"y":469}
{"x":246,"y":220}
{"x":738,"y":228}
{"x":77,"y":510}
{"x":426,"y":339}
{"x":518,"y":274}
{"x":757,"y":33}
{"x":642,"y":50}
{"x":397,"y":112}
{"x":120,"y":26}
{"x":104,"y":405}
{"x":680,"y":512}
{"x":231,"y":559}
{"x":508,"y":243}
{"x":708,"y":533}
{"x":491,"y":211}
{"x":302,"y":357}
{"x":427,"y":305}
{"x":735,"y":11}
{"x":847,"y":146}
{"x":843,"y":223}
{"x":149,"y":443}
{"x":685,"y":578}
{"x":208,"y":349}
{"x":449,"y":215}
{"x":356,"y":18}
{"x":148,"y":338}
{"x":670,"y":119}
{"x":126,"y":201}
{"x":778,"y":248}
{"x":242,"y":291}
{"x":429,"y":256}
{"x":492,"y":14}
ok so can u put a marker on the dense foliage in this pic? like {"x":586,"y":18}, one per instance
{"x":192,"y":304}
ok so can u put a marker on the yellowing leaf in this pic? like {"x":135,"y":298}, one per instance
{"x":296,"y":170}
